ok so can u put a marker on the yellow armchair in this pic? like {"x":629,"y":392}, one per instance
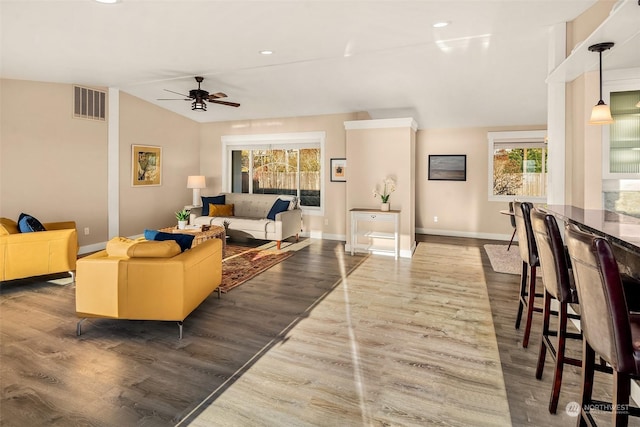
{"x":147,"y":280}
{"x":37,"y":253}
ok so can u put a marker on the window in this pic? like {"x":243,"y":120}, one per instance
{"x":518,"y":165}
{"x":276,"y":164}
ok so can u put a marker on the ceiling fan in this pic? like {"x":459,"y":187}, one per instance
{"x":199,"y":96}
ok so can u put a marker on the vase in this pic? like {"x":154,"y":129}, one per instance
{"x":182,"y":225}
{"x":385,"y":207}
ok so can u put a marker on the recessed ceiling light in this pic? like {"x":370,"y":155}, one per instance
{"x":266,"y":52}
{"x":440,"y":24}
{"x":108,"y":1}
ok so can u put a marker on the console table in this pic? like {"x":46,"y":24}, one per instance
{"x":373,"y":216}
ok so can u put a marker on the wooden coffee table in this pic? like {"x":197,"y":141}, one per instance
{"x":215,"y":232}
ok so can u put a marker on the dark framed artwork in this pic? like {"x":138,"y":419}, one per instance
{"x":450,"y":167}
{"x":339,"y":170}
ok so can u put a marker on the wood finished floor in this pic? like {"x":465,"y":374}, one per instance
{"x":233,"y":356}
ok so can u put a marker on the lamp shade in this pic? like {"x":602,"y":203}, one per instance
{"x":601,"y":114}
{"x":196,"y":181}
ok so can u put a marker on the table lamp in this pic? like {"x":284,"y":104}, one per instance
{"x":196,"y":182}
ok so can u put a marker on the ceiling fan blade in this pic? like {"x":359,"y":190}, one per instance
{"x":172,"y":99}
{"x":177,"y":93}
{"x":230,"y":104}
{"x":217,"y":95}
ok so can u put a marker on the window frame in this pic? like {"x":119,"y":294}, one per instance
{"x":295,"y":140}
{"x":530,"y":138}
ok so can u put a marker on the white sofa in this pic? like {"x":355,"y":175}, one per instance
{"x":250,"y":217}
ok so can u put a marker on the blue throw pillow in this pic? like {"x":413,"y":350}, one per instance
{"x":27,"y":224}
{"x":184,"y":240}
{"x":150,"y":234}
{"x":215,"y":200}
{"x":279,"y":206}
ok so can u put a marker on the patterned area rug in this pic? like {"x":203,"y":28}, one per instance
{"x":242,"y":263}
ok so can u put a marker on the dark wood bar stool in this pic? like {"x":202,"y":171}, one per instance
{"x":608,"y":328}
{"x":530,"y":261}
{"x":558,"y":284}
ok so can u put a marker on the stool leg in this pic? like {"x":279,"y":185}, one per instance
{"x":620,"y":401}
{"x":523,"y":292}
{"x":530,"y":306}
{"x":545,"y":332}
{"x":560,"y":349}
{"x":588,"y":362}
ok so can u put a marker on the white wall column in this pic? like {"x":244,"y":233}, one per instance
{"x":556,"y":117}
{"x":113,"y":162}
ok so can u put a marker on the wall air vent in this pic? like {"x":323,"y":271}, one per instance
{"x":89,"y":103}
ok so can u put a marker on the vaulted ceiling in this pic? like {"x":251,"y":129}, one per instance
{"x":486,"y":68}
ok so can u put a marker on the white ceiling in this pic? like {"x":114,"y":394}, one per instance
{"x":487,"y":68}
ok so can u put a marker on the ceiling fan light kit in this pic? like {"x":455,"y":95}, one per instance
{"x":199,"y":97}
{"x":199,"y":106}
{"x":601,"y":113}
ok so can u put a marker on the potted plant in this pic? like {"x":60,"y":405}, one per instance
{"x":388,"y":187}
{"x":182,"y":217}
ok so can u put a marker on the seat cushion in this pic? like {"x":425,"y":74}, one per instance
{"x":123,"y":247}
{"x":249,"y":224}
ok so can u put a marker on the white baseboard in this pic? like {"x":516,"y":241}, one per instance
{"x":470,"y":234}
{"x":92,"y":248}
{"x":314,"y":234}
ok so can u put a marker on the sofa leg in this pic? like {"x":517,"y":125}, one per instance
{"x":297,"y":237}
{"x":278,"y":244}
{"x":180,"y":327}
{"x":79,"y":326}
{"x":73,"y":276}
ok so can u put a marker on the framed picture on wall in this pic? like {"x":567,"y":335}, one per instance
{"x":339,"y":170}
{"x":450,"y":167}
{"x":146,"y":162}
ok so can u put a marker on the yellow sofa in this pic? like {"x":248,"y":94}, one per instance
{"x":37,"y":253}
{"x":147,"y":280}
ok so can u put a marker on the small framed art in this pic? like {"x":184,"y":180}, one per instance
{"x":451,"y":167}
{"x":146,"y":162}
{"x":339,"y":170}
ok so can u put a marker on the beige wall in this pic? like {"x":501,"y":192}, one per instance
{"x":462,"y":207}
{"x":332,"y":224}
{"x":52,"y":166}
{"x":142,"y":123}
{"x":583,"y":173}
{"x":581,"y":27}
{"x":374,"y":154}
{"x":55,"y":167}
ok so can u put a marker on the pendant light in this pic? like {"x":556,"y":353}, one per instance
{"x":601,"y":113}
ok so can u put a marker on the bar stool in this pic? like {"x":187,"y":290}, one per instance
{"x":558,"y":284}
{"x":607,"y":326}
{"x":529,"y":255}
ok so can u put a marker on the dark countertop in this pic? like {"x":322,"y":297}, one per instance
{"x":622,"y":230}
